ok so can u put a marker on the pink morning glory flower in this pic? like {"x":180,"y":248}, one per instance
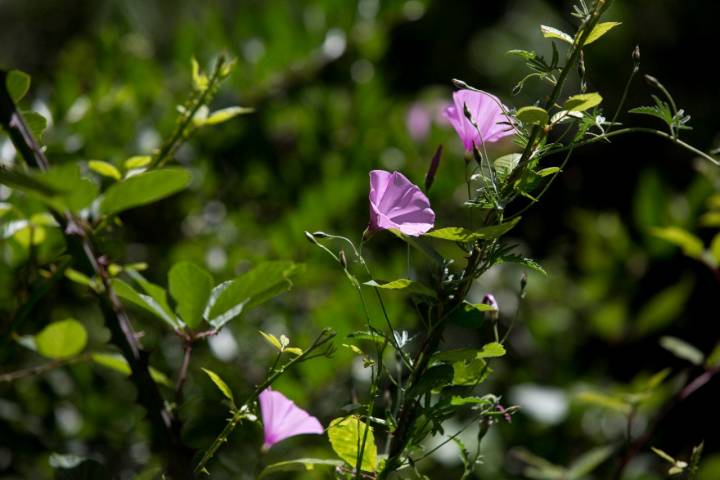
{"x":486,"y":111}
{"x":418,"y":121}
{"x":283,"y":419}
{"x":396,"y":203}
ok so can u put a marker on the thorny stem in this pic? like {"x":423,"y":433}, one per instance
{"x":166,"y":427}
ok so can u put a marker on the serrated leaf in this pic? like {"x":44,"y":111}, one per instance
{"x":143,"y":189}
{"x":682,"y":349}
{"x":600,"y":29}
{"x":260,"y":284}
{"x":190,"y":286}
{"x":407,"y":286}
{"x":582,"y":102}
{"x":225,"y":114}
{"x":551,"y":32}
{"x":460,"y":234}
{"x":346,"y":436}
{"x":17,"y":84}
{"x":105,"y":169}
{"x":220,"y":384}
{"x":691,"y":245}
{"x":299,"y":465}
{"x":532,"y":115}
{"x":61,"y":339}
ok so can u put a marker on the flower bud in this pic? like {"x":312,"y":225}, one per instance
{"x":343,"y":259}
{"x":489,"y":299}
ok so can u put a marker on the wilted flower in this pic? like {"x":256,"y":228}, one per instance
{"x":486,"y":111}
{"x":396,"y":203}
{"x":283,"y":419}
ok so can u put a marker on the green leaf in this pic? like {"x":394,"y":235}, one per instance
{"x":36,"y":122}
{"x":105,"y":169}
{"x":470,"y":373}
{"x":346,"y":436}
{"x":220,"y":384}
{"x":532,"y":115}
{"x":200,"y":80}
{"x":602,"y":400}
{"x":75,"y":192}
{"x":664,"y":307}
{"x":480,"y":307}
{"x":551,"y":32}
{"x":489,"y":350}
{"x":115,"y":361}
{"x":28,"y":183}
{"x":460,"y":234}
{"x":144,"y":188}
{"x":138,"y":161}
{"x":582,"y":102}
{"x":524,"y":261}
{"x":506,"y":164}
{"x":682,"y":349}
{"x":17,"y":84}
{"x":548,"y":171}
{"x":407,"y":286}
{"x":272,"y":340}
{"x":61,"y":339}
{"x":588,"y":462}
{"x":434,"y":378}
{"x":230,"y":299}
{"x":147,"y":302}
{"x":225,"y":114}
{"x":691,"y":245}
{"x":190,"y":286}
{"x":600,"y":29}
{"x":299,"y":465}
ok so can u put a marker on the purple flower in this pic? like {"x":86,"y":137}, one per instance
{"x":486,"y":111}
{"x":396,"y":203}
{"x":283,"y":419}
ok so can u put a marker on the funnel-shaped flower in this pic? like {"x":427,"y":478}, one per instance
{"x":486,"y":111}
{"x":283,"y":419}
{"x":396,"y":203}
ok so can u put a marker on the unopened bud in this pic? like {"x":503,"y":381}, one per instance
{"x":434,"y":164}
{"x":311,"y":238}
{"x":489,"y":299}
{"x":320,"y":235}
{"x":636,"y":54}
{"x":523,"y":282}
{"x":343,"y":259}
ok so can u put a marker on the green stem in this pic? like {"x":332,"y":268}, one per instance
{"x":242,"y":412}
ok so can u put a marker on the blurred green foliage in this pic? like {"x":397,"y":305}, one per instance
{"x":332,"y":84}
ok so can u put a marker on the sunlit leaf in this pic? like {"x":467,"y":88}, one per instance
{"x":61,"y":339}
{"x":582,"y":102}
{"x":407,"y":286}
{"x":551,"y":32}
{"x":17,"y":84}
{"x":682,"y":349}
{"x":190,"y":286}
{"x":691,"y":245}
{"x":460,"y":234}
{"x":299,"y":465}
{"x":220,"y":384}
{"x":600,"y":29}
{"x":346,"y":436}
{"x":225,"y":114}
{"x":105,"y":169}
{"x":532,"y":115}
{"x":143,"y":189}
